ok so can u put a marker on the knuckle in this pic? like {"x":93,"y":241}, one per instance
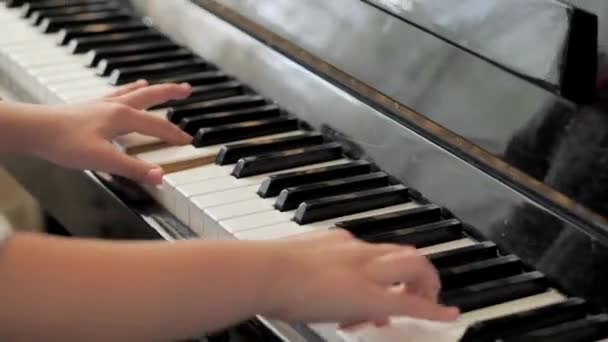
{"x":342,"y":234}
{"x":118,"y":110}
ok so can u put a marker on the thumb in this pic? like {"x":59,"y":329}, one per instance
{"x":110,"y":160}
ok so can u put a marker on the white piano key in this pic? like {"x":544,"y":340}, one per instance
{"x":197,"y":174}
{"x":97,"y":83}
{"x":174,"y":180}
{"x":84,"y":95}
{"x":185,"y":192}
{"x":25,"y":45}
{"x":49,"y":61}
{"x":27,"y":58}
{"x":448,"y":246}
{"x":18,"y":39}
{"x":24,"y":37}
{"x":43,"y":49}
{"x":217,"y":199}
{"x":288,"y":228}
{"x":512,"y":307}
{"x":409,"y":329}
{"x":171,"y":157}
{"x":243,"y":223}
{"x":183,"y":154}
{"x":54,"y":77}
{"x":50,"y":70}
{"x":40,"y":62}
{"x":135,"y":141}
{"x":404,"y":329}
{"x":242,"y":208}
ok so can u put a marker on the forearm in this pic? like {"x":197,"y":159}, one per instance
{"x":77,"y":290}
{"x":21,"y":126}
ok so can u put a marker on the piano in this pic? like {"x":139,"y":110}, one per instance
{"x":475,"y":131}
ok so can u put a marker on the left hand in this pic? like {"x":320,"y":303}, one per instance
{"x":80,"y":135}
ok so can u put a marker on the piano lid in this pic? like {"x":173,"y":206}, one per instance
{"x":548,"y":42}
{"x":472,"y":97}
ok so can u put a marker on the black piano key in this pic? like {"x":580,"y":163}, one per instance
{"x":192,"y":124}
{"x":291,"y":198}
{"x":32,"y":6}
{"x":195,"y":79}
{"x":377,"y":224}
{"x":159,"y":70}
{"x":342,"y":205}
{"x":84,"y":44}
{"x":495,"y":292}
{"x":590,"y":329}
{"x":523,"y":322}
{"x":14,"y":3}
{"x":273,"y":185}
{"x":479,"y":272}
{"x":210,"y":92}
{"x":230,"y":154}
{"x":66,"y":35}
{"x":36,"y":17}
{"x":465,"y":255}
{"x":51,"y":25}
{"x":177,"y":114}
{"x":420,"y":236}
{"x":106,"y":66}
{"x":271,"y":162}
{"x":96,"y":55}
{"x":244,"y":130}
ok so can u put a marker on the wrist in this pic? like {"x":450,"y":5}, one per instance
{"x":31,"y":125}
{"x":280,"y":274}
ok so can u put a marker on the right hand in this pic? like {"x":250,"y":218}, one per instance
{"x":332,"y":277}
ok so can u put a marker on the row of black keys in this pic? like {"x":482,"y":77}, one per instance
{"x":473,"y":277}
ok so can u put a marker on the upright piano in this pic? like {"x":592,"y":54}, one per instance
{"x":474,"y":130}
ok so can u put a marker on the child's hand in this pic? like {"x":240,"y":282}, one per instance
{"x":79,"y":135}
{"x":333,"y":277}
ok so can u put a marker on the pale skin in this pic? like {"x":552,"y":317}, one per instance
{"x":74,"y":289}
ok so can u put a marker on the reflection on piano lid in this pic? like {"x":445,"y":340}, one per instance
{"x":548,"y":42}
{"x":280,"y":151}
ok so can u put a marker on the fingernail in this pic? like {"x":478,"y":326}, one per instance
{"x":142,"y":82}
{"x":185,"y":85}
{"x":187,"y":138}
{"x":155,"y":176}
{"x":452,"y":313}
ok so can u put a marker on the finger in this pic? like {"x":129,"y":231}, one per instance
{"x":155,"y":95}
{"x":335,"y":236}
{"x":128,"y":88}
{"x":110,"y":160}
{"x":409,"y":268}
{"x":150,"y":125}
{"x":331,"y":236}
{"x":383,"y":249}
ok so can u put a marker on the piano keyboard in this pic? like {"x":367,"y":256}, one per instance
{"x":255,"y":172}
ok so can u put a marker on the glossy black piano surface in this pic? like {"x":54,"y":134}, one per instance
{"x":513,"y":159}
